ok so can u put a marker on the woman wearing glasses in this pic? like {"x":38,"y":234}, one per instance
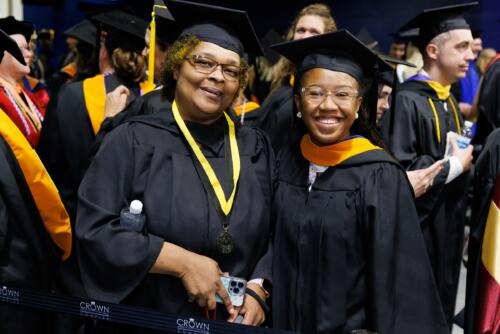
{"x":205,"y":185}
{"x":349,"y":256}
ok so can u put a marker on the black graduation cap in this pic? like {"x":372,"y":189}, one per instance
{"x":270,"y":38}
{"x":166,"y":28}
{"x":11,"y":26}
{"x":435,"y":21}
{"x":364,"y":36}
{"x":123,"y":29}
{"x":337,"y":51}
{"x":84,"y":31}
{"x":228,"y":28}
{"x":389,"y":78}
{"x":9,"y":45}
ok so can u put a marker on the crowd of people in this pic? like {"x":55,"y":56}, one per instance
{"x":332,"y":177}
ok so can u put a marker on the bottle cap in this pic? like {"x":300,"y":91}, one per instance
{"x":136,"y":207}
{"x":468,"y":124}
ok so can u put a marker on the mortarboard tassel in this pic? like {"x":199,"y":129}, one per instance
{"x":152,"y":45}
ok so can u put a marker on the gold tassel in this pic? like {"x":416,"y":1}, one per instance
{"x":152,"y":45}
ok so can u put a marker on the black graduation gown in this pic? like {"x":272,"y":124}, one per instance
{"x":149,"y":103}
{"x":148,"y":159}
{"x":67,"y":138}
{"x":27,"y":255}
{"x":488,"y":103}
{"x":278,"y":119}
{"x":349,"y":254}
{"x":487,"y":170}
{"x":441,"y":209}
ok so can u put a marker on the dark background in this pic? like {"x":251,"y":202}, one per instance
{"x":380,"y":17}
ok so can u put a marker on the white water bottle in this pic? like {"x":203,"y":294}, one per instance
{"x":132,"y":217}
{"x":464,"y":140}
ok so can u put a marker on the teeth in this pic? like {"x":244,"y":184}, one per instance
{"x":328,"y":120}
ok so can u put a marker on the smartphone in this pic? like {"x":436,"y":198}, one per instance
{"x":235,"y":287}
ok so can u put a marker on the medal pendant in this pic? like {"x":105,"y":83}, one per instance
{"x":225,"y":242}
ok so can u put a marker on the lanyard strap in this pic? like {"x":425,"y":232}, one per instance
{"x":225,"y":205}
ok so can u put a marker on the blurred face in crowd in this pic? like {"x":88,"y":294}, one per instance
{"x":477,"y":46}
{"x":452,"y":53}
{"x":329,"y":101}
{"x":207,"y":82}
{"x":71,"y":42}
{"x":307,"y":26}
{"x":397,"y":50}
{"x":10,"y":67}
{"x":383,"y":100}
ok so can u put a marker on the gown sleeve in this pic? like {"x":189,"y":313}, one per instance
{"x":405,"y":145}
{"x":402,"y":295}
{"x":113,"y":259}
{"x":264,"y":266}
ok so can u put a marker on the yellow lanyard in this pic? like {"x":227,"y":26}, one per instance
{"x":235,"y":157}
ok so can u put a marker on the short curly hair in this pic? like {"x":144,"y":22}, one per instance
{"x":176,"y":55}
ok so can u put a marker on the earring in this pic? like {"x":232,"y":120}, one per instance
{"x":299,"y":114}
{"x":357,"y":115}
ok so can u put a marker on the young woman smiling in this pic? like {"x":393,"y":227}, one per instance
{"x":206,"y":184}
{"x":349,"y":255}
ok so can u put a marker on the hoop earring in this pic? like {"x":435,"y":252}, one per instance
{"x":299,"y":114}
{"x":357,"y":115}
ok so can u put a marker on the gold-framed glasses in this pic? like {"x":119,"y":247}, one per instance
{"x":315,"y":95}
{"x":206,"y":65}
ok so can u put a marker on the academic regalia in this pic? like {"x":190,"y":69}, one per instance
{"x":417,"y":143}
{"x":415,"y":132}
{"x":38,"y":89}
{"x":349,"y":254}
{"x":34,"y":229}
{"x":488,"y":102}
{"x":11,"y":101}
{"x":26,"y":262}
{"x":481,"y":284}
{"x":150,"y":161}
{"x":70,"y":129}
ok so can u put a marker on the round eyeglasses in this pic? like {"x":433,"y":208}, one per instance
{"x":207,"y":65}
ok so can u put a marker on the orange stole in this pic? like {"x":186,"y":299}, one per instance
{"x":333,"y":155}
{"x":42,"y":188}
{"x":94,"y":93}
{"x":249,"y":106}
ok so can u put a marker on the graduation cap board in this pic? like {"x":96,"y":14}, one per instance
{"x":435,"y":21}
{"x":364,"y":36}
{"x":84,"y":31}
{"x":228,"y":28}
{"x":123,"y":29}
{"x":336,"y":51}
{"x":9,"y":45}
{"x":11,"y":26}
{"x":271,"y":37}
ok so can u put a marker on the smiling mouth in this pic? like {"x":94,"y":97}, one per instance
{"x":212,"y":92}
{"x":328,"y":120}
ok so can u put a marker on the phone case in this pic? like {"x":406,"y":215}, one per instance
{"x":235,"y":287}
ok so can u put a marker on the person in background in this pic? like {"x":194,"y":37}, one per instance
{"x":34,"y":82}
{"x":484,"y":58}
{"x":173,"y":161}
{"x":15,"y":100}
{"x":45,"y":46}
{"x":416,"y":133}
{"x":348,"y":249}
{"x":83,"y":67}
{"x":276,"y":113}
{"x":465,"y":90}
